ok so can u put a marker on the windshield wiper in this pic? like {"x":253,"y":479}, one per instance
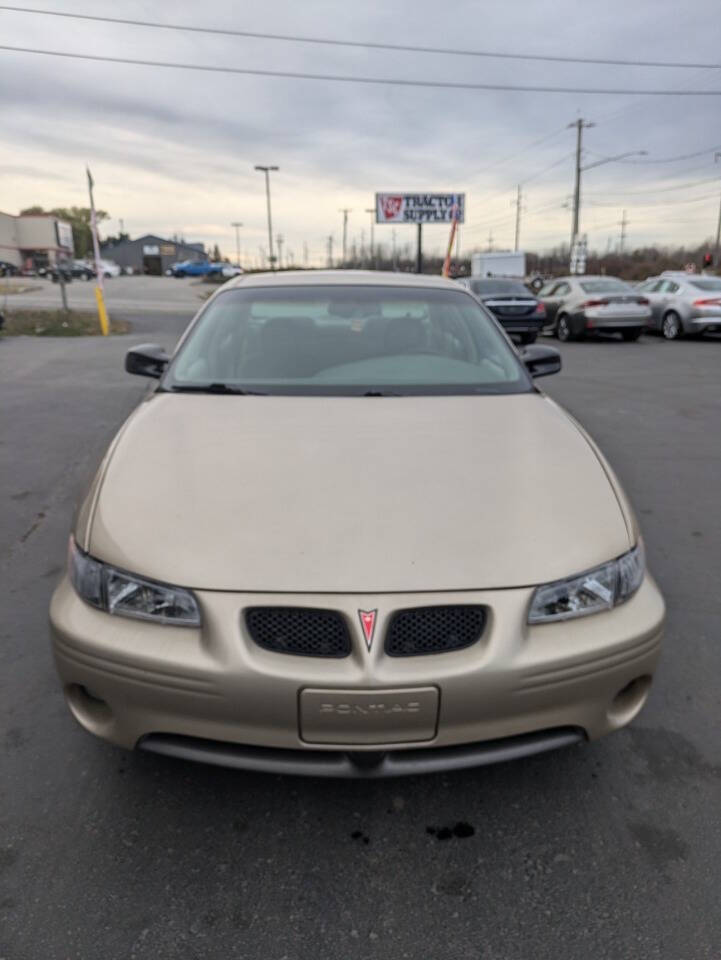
{"x":381,"y":393}
{"x":216,"y":387}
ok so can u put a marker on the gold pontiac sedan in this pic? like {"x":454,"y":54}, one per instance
{"x":346,"y":535}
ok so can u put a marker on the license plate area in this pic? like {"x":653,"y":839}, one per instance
{"x":365,"y":717}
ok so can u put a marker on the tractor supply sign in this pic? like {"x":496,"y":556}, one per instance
{"x":420,"y":207}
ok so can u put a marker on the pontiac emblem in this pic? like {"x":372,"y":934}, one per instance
{"x":368,"y":625}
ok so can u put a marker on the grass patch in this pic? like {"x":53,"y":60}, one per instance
{"x":55,"y":323}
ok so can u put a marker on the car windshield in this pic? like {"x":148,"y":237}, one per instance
{"x":707,"y":284}
{"x":605,"y":285}
{"x":506,"y":288}
{"x":346,"y":340}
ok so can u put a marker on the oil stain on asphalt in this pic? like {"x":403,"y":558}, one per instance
{"x":460,"y":831}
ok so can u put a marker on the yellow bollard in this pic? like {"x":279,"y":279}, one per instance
{"x":102,"y":312}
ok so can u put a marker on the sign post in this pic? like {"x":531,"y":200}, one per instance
{"x":64,"y":240}
{"x":579,"y":254}
{"x":102,"y":312}
{"x":446,"y":271}
{"x":420,"y":208}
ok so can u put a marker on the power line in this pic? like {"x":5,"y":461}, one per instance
{"x":367,"y":44}
{"x":523,"y":150}
{"x":683,"y":156}
{"x":383,"y":81}
{"x":640,"y":193}
{"x":656,"y":203}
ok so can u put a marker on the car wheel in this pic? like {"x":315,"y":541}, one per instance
{"x":526,"y":338}
{"x":563,"y":329}
{"x":630,"y":335}
{"x":671,"y":328}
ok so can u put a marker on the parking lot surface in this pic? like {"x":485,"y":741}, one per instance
{"x":610,"y":850}
{"x":167,"y":295}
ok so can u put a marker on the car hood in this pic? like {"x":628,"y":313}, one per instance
{"x":345,"y":494}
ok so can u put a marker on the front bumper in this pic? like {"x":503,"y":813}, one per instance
{"x":212,"y":694}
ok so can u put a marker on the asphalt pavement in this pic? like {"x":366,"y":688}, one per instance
{"x":607,"y":851}
{"x":167,"y":295}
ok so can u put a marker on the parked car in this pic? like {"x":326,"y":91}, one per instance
{"x":8,"y":269}
{"x":683,"y":303}
{"x":82,"y":269}
{"x":580,"y":305}
{"x":231,"y":270}
{"x":110,"y":268}
{"x":335,"y":562}
{"x":194,"y":268}
{"x":520,"y":313}
{"x":60,"y":270}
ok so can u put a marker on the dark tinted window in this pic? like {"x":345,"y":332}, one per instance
{"x":495,"y":288}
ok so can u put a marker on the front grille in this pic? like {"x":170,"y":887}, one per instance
{"x":301,"y":631}
{"x":421,"y":630}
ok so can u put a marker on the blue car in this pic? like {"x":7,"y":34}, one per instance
{"x":195,"y":268}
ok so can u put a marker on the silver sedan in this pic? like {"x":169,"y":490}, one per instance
{"x":683,"y":303}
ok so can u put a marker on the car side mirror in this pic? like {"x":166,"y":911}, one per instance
{"x":147,"y":360}
{"x":541,"y":361}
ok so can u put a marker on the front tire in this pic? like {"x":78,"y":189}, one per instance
{"x":630,"y":335}
{"x":671,"y":327}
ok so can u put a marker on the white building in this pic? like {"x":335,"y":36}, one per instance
{"x":34,"y":240}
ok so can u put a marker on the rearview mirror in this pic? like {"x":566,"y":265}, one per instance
{"x":541,"y":361}
{"x":147,"y":360}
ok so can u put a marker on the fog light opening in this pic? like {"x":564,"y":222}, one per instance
{"x":629,"y":700}
{"x":88,"y":707}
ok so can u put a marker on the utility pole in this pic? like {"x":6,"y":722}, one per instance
{"x":345,"y":211}
{"x":623,"y":224}
{"x":518,"y":216}
{"x":393,"y":239}
{"x":580,"y":126}
{"x":419,"y":250}
{"x":102,"y":312}
{"x":490,"y":241}
{"x":305,"y":254}
{"x":716,"y":158}
{"x":372,"y":212}
{"x":330,"y":251}
{"x":237,"y":225}
{"x":279,"y":240}
{"x":266,"y":171}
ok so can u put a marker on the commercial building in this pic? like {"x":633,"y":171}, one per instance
{"x":150,"y":254}
{"x":34,"y":240}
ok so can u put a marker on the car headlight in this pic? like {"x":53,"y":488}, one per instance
{"x":126,"y":595}
{"x":600,"y":589}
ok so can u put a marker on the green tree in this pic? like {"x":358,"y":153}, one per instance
{"x":79,"y":220}
{"x":216,"y":254}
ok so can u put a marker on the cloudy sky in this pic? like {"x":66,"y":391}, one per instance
{"x":172,"y":151}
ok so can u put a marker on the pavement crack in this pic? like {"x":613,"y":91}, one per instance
{"x":39,"y":517}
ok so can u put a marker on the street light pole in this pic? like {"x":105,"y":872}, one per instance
{"x":345,"y":211}
{"x":237,"y":224}
{"x":716,"y":158}
{"x":266,"y":171}
{"x":372,"y":212}
{"x":580,"y":125}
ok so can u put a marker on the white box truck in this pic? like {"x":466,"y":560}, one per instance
{"x":502,"y":264}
